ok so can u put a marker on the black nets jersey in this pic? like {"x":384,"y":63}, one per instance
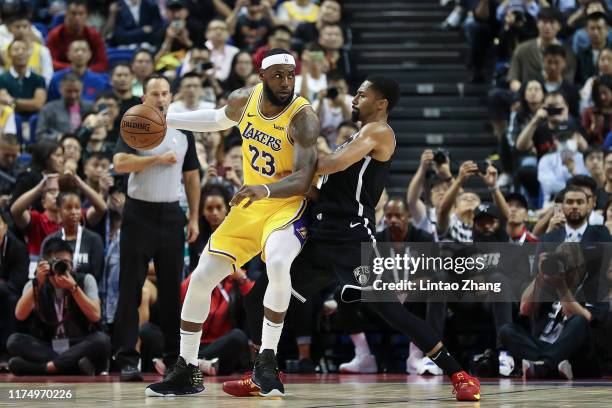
{"x":347,"y":201}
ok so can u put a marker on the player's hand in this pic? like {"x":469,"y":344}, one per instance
{"x":249,"y":193}
{"x":167,"y":158}
{"x":193,"y":230}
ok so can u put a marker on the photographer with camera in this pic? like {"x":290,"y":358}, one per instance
{"x":63,"y":338}
{"x":423,"y":212}
{"x":560,"y":341}
{"x":557,"y":167}
{"x":333,"y":106}
{"x":539,"y":132}
{"x":456,"y":211}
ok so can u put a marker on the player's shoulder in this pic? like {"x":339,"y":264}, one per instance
{"x":376,"y":129}
{"x":240,"y":95}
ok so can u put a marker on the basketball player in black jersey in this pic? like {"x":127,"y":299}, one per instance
{"x":342,"y":217}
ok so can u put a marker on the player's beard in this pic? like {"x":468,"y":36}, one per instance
{"x":274,"y":100}
{"x":355,"y":115}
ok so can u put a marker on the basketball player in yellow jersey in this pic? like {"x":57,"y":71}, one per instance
{"x":279,"y":135}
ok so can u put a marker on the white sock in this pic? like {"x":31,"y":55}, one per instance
{"x":270,"y":335}
{"x":361,"y":344}
{"x":190,"y":345}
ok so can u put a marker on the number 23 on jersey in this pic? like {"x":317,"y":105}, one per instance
{"x":262,"y":161}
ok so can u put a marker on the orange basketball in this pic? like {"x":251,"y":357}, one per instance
{"x":143,"y":127}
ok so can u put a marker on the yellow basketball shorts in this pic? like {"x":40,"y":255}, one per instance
{"x":244,"y":232}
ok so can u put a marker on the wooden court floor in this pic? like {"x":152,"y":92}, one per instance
{"x":311,"y":391}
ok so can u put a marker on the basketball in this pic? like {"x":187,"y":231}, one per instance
{"x":143,"y":127}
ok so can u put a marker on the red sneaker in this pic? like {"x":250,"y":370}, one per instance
{"x":465,"y":387}
{"x":245,"y":387}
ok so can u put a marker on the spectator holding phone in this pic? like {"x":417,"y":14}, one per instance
{"x":221,"y":53}
{"x":249,"y":30}
{"x":313,"y":78}
{"x":333,"y":106}
{"x":198,"y":60}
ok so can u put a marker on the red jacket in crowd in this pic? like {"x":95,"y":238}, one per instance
{"x":218,"y":322}
{"x":59,"y":39}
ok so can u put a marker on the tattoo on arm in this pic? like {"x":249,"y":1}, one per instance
{"x":304,"y":130}
{"x":236,"y":103}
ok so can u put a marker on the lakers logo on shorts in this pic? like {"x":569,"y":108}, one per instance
{"x":362,"y":274}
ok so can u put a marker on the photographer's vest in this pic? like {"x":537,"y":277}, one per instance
{"x":45,"y":318}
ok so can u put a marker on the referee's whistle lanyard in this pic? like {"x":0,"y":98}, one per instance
{"x":77,"y":246}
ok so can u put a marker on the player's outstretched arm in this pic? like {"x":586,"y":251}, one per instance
{"x":374,"y":138}
{"x":212,"y":120}
{"x":304,"y":130}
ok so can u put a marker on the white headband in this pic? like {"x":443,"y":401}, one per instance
{"x":277,"y":59}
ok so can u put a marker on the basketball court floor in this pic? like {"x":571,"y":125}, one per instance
{"x":317,"y":391}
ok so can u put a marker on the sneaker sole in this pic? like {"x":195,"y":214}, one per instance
{"x":272,"y":393}
{"x":150,"y":393}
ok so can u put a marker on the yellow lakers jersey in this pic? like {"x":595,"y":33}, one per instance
{"x":267,"y":149}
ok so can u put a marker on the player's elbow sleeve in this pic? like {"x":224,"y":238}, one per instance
{"x":203,"y":120}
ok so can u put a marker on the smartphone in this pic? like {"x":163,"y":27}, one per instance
{"x":332,"y":93}
{"x":205,"y":66}
{"x":103,"y":109}
{"x":553,"y":110}
{"x":52,"y":183}
{"x":558,"y":208}
{"x":176,"y":24}
{"x":482,"y":167}
{"x":317,"y":55}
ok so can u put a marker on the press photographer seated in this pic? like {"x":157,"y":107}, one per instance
{"x":64,"y":309}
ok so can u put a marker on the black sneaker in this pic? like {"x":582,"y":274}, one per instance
{"x":87,"y":367}
{"x":130,"y":373}
{"x":182,"y":379}
{"x":265,"y":375}
{"x":20,"y":366}
{"x":486,"y":365}
{"x":306,"y":366}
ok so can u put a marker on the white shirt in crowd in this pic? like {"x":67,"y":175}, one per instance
{"x":222,"y":60}
{"x":553,"y":174}
{"x":330,"y":118}
{"x":314,"y":86}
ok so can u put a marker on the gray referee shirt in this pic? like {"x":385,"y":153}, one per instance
{"x":161,"y":183}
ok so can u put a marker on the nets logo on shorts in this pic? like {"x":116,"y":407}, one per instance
{"x":362,"y":274}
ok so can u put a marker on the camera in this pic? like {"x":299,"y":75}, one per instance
{"x":554,"y":264}
{"x":440,"y":156}
{"x":482,"y":166}
{"x":59,"y":267}
{"x":332,"y":93}
{"x":553,"y":110}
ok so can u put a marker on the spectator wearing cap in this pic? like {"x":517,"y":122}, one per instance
{"x":39,"y":59}
{"x":221,"y":53}
{"x":597,"y":120}
{"x":74,"y":28}
{"x":137,"y":23}
{"x":516,"y":227}
{"x":79,"y":55}
{"x":249,"y":30}
{"x":593,"y":160}
{"x":181,"y":33}
{"x":294,"y":12}
{"x":142,"y":66}
{"x":589,"y":186}
{"x":121,"y":83}
{"x":330,"y":12}
{"x":597,"y":29}
{"x":66,"y":114}
{"x":21,"y":88}
{"x":527,"y":60}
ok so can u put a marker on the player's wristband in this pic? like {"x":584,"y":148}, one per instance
{"x":267,"y":189}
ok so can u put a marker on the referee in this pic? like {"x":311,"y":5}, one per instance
{"x":152,"y":228}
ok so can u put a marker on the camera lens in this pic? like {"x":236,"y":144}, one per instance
{"x":59,"y":267}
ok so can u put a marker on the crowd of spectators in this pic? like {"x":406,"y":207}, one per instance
{"x":72,"y":69}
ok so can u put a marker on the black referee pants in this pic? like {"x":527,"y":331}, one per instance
{"x":149,"y":231}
